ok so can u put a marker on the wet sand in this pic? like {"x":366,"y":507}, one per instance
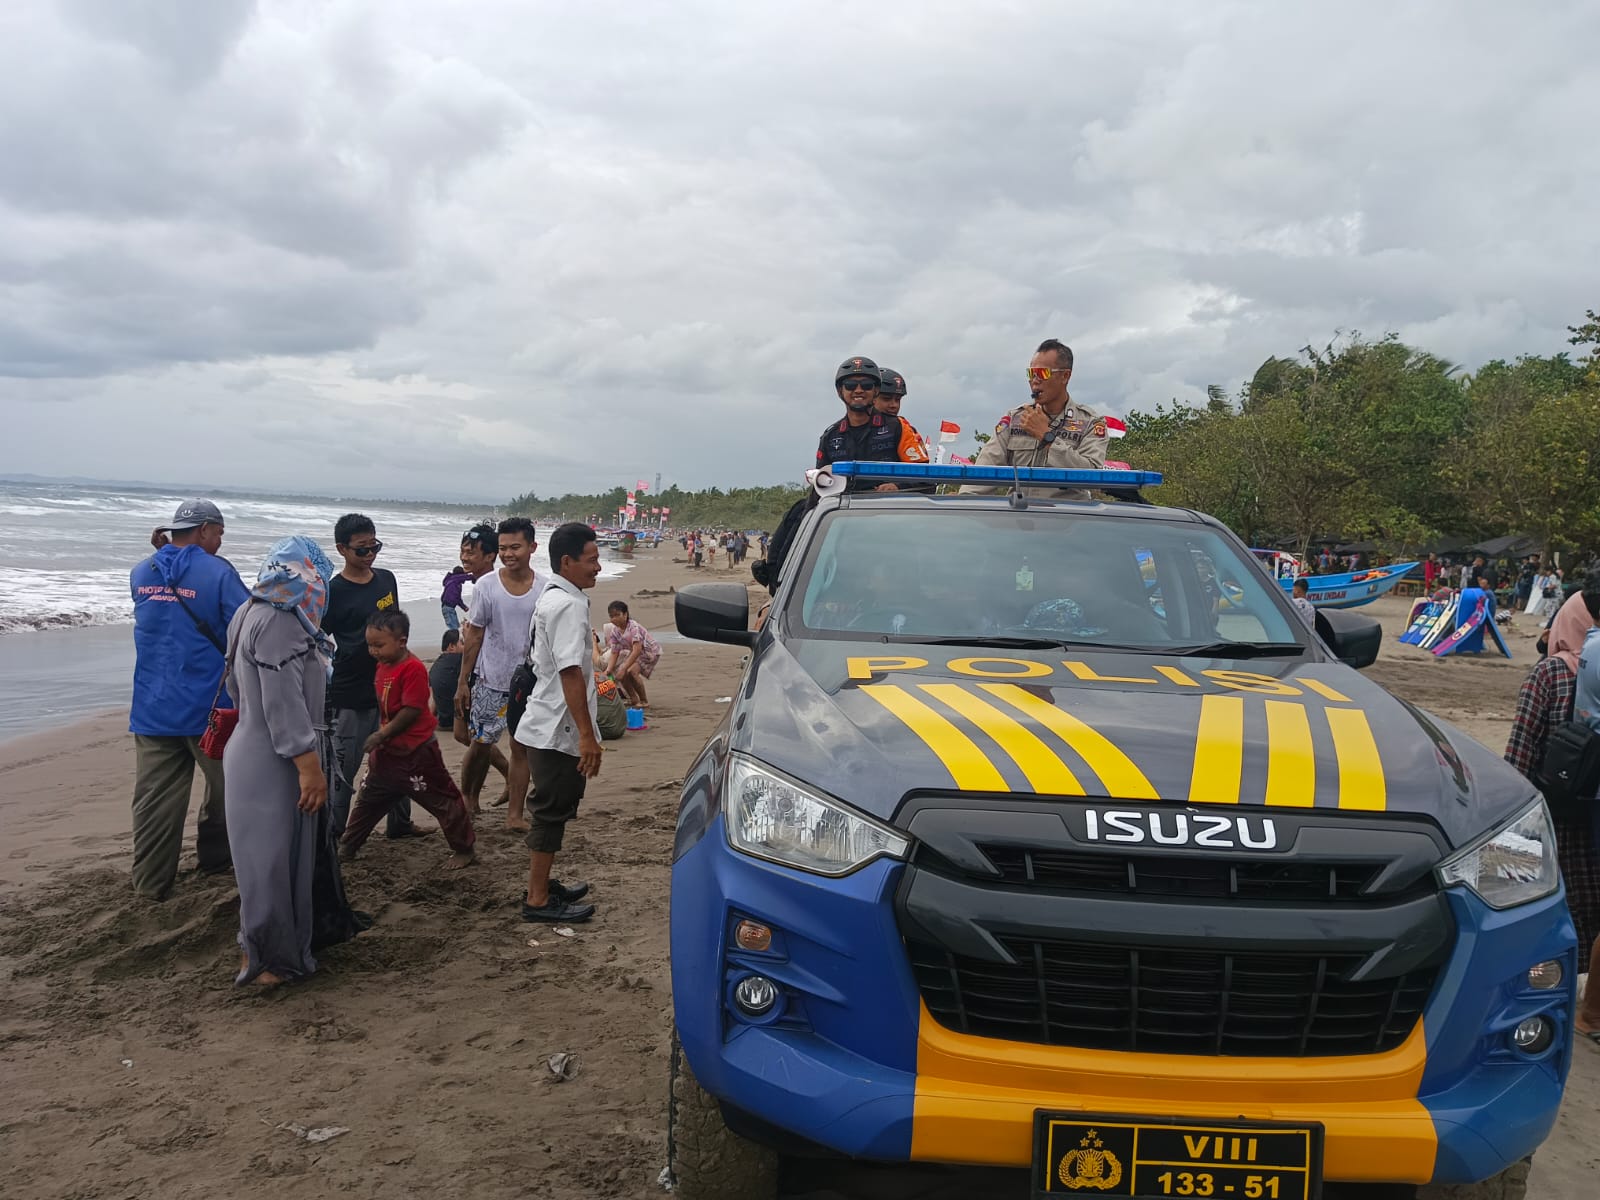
{"x":133,"y":1069}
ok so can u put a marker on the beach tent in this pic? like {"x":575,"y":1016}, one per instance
{"x":1514,"y":545}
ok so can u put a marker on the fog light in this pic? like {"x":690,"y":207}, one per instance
{"x":756,"y":994}
{"x":1545,"y":975}
{"x":1532,"y":1035}
{"x":753,"y":935}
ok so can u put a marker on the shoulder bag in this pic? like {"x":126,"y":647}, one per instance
{"x":523,"y":681}
{"x":220,"y":722}
{"x":1569,"y":776}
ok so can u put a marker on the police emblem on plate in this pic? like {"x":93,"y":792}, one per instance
{"x":1090,"y":1165}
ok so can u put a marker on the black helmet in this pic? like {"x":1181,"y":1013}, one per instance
{"x":854,"y":366}
{"x":892,"y":382}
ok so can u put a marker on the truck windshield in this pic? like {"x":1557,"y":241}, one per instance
{"x":1136,"y":584}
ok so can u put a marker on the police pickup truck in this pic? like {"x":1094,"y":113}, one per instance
{"x":1046,"y":834}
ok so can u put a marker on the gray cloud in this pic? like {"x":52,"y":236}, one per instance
{"x":503,"y":246}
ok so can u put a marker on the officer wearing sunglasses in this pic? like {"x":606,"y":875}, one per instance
{"x":1050,"y":431}
{"x":865,"y":434}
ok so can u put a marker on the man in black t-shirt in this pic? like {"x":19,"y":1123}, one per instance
{"x":354,"y":594}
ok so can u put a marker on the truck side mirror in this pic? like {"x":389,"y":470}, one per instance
{"x":1354,"y":640}
{"x":714,"y":612}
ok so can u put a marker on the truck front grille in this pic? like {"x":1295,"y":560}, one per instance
{"x":1269,"y":880}
{"x":1165,"y":1001}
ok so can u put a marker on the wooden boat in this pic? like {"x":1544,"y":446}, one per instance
{"x":1353,"y":588}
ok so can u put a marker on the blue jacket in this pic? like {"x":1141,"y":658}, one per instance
{"x":176,"y":667}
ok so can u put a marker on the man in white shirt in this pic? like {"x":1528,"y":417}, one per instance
{"x":558,"y":727}
{"x":494,"y":642}
{"x":1300,"y":597}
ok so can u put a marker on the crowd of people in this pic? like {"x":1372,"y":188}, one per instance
{"x":300,"y":701}
{"x":701,"y":546}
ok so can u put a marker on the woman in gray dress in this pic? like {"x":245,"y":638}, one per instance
{"x":276,"y":762}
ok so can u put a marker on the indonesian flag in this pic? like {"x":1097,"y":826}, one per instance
{"x":666,"y":512}
{"x":630,"y":497}
{"x":965,"y":462}
{"x":640,"y":486}
{"x":1113,"y":465}
{"x":1115,"y":427}
{"x":948,"y":431}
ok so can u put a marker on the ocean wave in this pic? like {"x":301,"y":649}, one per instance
{"x":37,"y":622}
{"x":50,"y":600}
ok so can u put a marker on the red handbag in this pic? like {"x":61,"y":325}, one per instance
{"x":220,"y":721}
{"x":219,"y":726}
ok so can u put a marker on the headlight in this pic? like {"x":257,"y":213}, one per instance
{"x":771,"y":816}
{"x":1511,"y":866}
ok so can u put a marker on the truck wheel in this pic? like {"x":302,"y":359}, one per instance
{"x":1510,"y":1184}
{"x":705,"y":1159}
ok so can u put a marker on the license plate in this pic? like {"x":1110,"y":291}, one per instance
{"x":1077,"y":1154}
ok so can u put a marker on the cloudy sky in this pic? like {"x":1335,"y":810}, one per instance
{"x":478,"y":247}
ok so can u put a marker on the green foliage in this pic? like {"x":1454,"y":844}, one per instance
{"x":712,"y":508}
{"x":1529,"y":459}
{"x":1377,"y":440}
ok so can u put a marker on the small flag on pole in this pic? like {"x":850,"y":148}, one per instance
{"x":965,"y":462}
{"x":948,"y":431}
{"x":1115,"y":427}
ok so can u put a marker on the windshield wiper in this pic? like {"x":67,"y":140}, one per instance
{"x":998,"y":643}
{"x":1026,"y":643}
{"x":1238,"y":650}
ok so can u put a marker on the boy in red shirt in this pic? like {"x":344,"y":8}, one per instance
{"x":404,"y":761}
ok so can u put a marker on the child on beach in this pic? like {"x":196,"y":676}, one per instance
{"x":404,"y":760}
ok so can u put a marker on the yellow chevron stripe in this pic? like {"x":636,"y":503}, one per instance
{"x":1045,"y":771}
{"x":1361,"y":781}
{"x":1218,"y":751}
{"x":1118,"y":775}
{"x":968,"y":765}
{"x":1291,"y":760}
{"x":1321,"y":689}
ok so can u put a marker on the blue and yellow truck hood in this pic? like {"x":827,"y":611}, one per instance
{"x":873,"y":723}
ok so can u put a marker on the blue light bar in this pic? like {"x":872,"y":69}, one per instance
{"x":998,"y":476}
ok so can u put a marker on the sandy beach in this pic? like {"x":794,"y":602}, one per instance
{"x":133,"y":1069}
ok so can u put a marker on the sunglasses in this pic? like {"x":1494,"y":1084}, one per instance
{"x":1043,"y":373}
{"x":366,"y":551}
{"x":860,"y":384}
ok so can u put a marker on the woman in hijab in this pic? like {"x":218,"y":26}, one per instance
{"x":1545,"y":702}
{"x":277,"y":761}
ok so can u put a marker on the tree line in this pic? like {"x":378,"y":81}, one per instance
{"x":1379,"y":441}
{"x":709,"y":508}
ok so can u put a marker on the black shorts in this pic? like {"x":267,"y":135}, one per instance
{"x":557,"y":787}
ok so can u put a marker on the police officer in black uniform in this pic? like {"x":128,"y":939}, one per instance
{"x":862,"y":435}
{"x":865,"y":434}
